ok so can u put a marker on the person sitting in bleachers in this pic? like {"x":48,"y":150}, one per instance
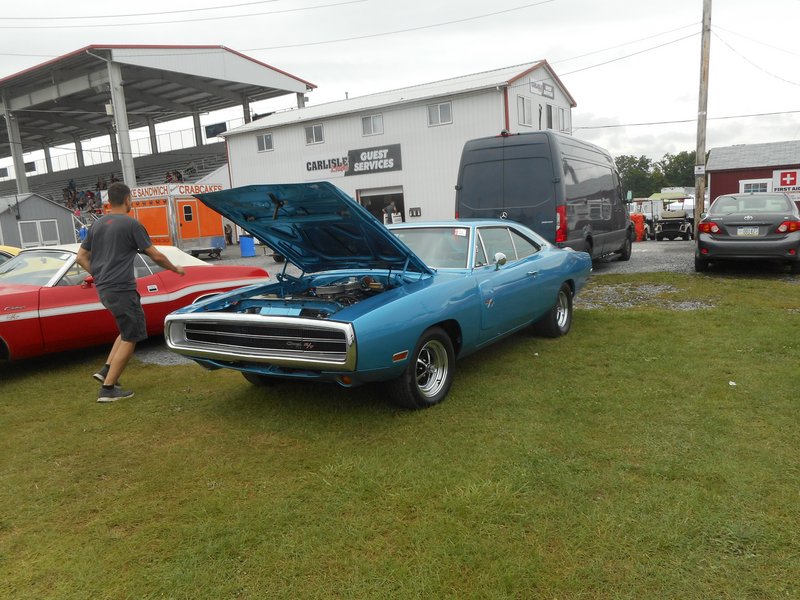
{"x":101,"y":183}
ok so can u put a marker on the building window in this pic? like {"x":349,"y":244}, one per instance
{"x":524,"y":112}
{"x":264,"y":142}
{"x":549,"y":116}
{"x":314,"y":134}
{"x":372,"y":125}
{"x":563,"y":120}
{"x":439,"y":114}
{"x":754,"y":185}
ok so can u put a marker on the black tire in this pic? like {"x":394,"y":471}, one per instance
{"x":257,"y":379}
{"x":627,"y":247}
{"x":558,"y":319}
{"x":658,"y":237}
{"x":700,"y":265}
{"x":429,"y":373}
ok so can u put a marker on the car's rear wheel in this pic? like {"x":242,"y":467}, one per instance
{"x":700,"y":265}
{"x":258,"y":379}
{"x":429,"y":373}
{"x":558,"y":319}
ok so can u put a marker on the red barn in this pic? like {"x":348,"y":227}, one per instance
{"x":773,"y":167}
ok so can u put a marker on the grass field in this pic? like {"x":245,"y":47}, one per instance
{"x":654,"y":452}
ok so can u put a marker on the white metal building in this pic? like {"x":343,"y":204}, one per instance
{"x":402,"y":145}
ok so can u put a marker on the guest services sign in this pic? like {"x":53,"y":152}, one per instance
{"x":374,"y":160}
{"x":357,"y":162}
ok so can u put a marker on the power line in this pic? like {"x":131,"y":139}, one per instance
{"x":756,"y":41}
{"x":410,"y":29}
{"x":558,"y":62}
{"x":760,"y":68}
{"x":629,"y":55}
{"x":172,"y":22}
{"x":148,"y":14}
{"x":767,"y":114}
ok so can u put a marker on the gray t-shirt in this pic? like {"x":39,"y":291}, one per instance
{"x":114,"y":240}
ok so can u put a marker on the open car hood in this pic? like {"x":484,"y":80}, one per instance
{"x":315,"y":225}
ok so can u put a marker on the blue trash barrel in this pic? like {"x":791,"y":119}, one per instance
{"x":247,"y":245}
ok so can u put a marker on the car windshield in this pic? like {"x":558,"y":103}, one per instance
{"x":35,"y":267}
{"x":725,"y":205}
{"x":438,"y":247}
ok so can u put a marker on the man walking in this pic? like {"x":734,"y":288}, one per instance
{"x":107,"y":254}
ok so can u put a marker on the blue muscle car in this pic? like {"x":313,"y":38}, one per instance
{"x":371,"y":303}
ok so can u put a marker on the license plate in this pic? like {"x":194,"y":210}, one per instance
{"x":747,"y":231}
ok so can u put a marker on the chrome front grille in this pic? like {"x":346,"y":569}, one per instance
{"x":285,"y":341}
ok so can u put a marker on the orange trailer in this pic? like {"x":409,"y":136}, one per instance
{"x":172,"y":215}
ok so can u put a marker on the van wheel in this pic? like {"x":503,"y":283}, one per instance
{"x":558,"y":319}
{"x":627,"y":248}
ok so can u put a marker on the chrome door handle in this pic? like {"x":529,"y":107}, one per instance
{"x":533,"y":273}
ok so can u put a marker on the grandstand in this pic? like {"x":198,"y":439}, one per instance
{"x":109,"y":90}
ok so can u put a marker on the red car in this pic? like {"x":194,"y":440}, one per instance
{"x":49,"y":304}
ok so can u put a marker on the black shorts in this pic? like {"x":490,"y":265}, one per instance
{"x":126,"y":307}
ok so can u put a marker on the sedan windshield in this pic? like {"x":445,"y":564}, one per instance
{"x":438,"y":247}
{"x":36,"y":267}
{"x":725,"y":205}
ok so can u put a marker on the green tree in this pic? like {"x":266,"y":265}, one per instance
{"x":637,"y":175}
{"x":678,"y":169}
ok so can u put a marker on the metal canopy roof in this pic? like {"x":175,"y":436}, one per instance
{"x":65,"y":99}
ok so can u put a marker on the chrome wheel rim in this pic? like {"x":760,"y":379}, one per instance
{"x":431,"y":368}
{"x":562,"y":310}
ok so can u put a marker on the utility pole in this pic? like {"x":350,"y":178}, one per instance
{"x":702,"y":107}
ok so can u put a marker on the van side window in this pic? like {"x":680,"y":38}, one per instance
{"x":497,"y":239}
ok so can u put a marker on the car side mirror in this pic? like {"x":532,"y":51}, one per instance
{"x":499,"y":260}
{"x":88,"y":282}
{"x":703,"y":215}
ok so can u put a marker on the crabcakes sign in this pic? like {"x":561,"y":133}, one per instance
{"x":364,"y":161}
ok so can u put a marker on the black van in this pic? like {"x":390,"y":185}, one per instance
{"x":566,"y":190}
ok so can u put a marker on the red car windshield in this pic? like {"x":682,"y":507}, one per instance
{"x":34,"y":267}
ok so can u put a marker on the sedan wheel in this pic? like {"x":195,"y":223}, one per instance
{"x":700,"y":265}
{"x":429,"y":373}
{"x":558,"y":320}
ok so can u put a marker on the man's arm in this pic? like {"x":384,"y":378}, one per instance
{"x":84,"y":259}
{"x":161,"y":260}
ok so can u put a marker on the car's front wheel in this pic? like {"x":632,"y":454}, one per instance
{"x":558,"y":319}
{"x":429,"y":373}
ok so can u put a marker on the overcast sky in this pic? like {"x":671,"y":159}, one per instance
{"x":626,"y":62}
